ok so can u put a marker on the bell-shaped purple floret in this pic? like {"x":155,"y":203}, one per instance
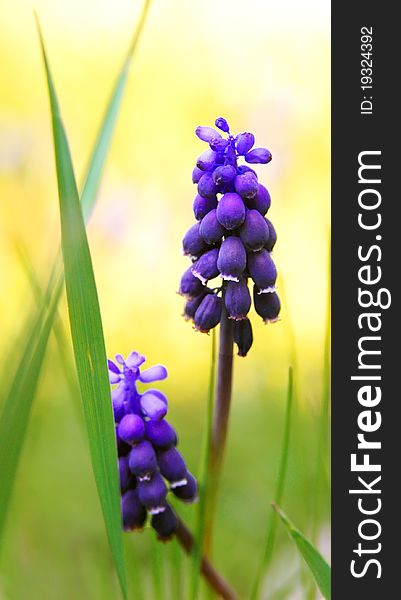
{"x":205,"y":267}
{"x":206,"y":161}
{"x":254,"y":231}
{"x":193,"y":244}
{"x":152,"y":493}
{"x":267,"y":305}
{"x":222,"y":124}
{"x":196,"y":174}
{"x":156,"y":373}
{"x":271,"y":242}
{"x":206,"y":185}
{"x":210,"y":228}
{"x":224,"y":174}
{"x":154,"y":404}
{"x":165,"y":523}
{"x":246,"y":185}
{"x":142,"y":460}
{"x":243,"y":336}
{"x":262,"y":270}
{"x":261,"y":202}
{"x":231,"y":211}
{"x":244,"y":142}
{"x":208,"y":314}
{"x":237,"y":299}
{"x":124,"y":473}
{"x":118,"y":397}
{"x":131,"y":429}
{"x":122,"y":447}
{"x":206,"y":133}
{"x":258,"y":156}
{"x":189,"y":491}
{"x":203,"y":205}
{"x":190,"y":286}
{"x":191,"y":306}
{"x":172,"y":466}
{"x":161,"y":434}
{"x":232,"y":259}
{"x":133,"y":511}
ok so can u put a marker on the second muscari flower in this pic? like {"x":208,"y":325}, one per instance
{"x":232,"y":238}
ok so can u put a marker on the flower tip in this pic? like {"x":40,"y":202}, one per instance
{"x":156,"y":510}
{"x":178,"y":483}
{"x":268,"y":290}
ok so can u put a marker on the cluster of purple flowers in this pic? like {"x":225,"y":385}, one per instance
{"x":232,"y":238}
{"x":147,"y":454}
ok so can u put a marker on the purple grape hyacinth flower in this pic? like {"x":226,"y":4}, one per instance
{"x":232,"y":238}
{"x":149,"y":464}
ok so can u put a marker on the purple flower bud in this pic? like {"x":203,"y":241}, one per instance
{"x":165,"y":523}
{"x":206,"y":160}
{"x":172,"y":466}
{"x":267,"y":305}
{"x":243,"y":336}
{"x":189,"y":491}
{"x":156,"y":373}
{"x":245,"y":169}
{"x":202,"y":206}
{"x":193,"y":244}
{"x":142,"y":460}
{"x":131,"y":429}
{"x":118,"y":398}
{"x":245,"y":141}
{"x":190,"y":285}
{"x":224,"y":174}
{"x":231,"y":211}
{"x":196,"y":174}
{"x":237,"y":299}
{"x":232,"y":259}
{"x":258,"y":156}
{"x":114,"y":372}
{"x":161,"y":434}
{"x":124,"y":473}
{"x":122,"y":447}
{"x":207,"y":186}
{"x":272,"y":236}
{"x":206,"y":133}
{"x":133,"y":512}
{"x":261,"y":202}
{"x":246,"y":185}
{"x":152,"y":494}
{"x":218,"y":144}
{"x":222,"y":124}
{"x":154,"y":404}
{"x":191,"y":306}
{"x":254,"y":231}
{"x":208,"y":314}
{"x":262,"y":270}
{"x":210,"y":229}
{"x":205,"y":267}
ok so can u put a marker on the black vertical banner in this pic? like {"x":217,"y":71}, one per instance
{"x":366,"y":273}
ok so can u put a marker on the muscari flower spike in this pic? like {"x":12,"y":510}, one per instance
{"x":231,"y":239}
{"x":149,"y":463}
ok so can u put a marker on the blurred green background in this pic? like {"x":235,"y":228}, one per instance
{"x":265,"y":67}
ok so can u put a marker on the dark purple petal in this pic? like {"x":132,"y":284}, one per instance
{"x":271,"y":242}
{"x":254,"y":232}
{"x":237,"y":299}
{"x":258,"y":156}
{"x":124,"y":473}
{"x":206,"y":160}
{"x":172,"y":466}
{"x":243,"y":336}
{"x":244,"y":142}
{"x":191,"y":306}
{"x":161,"y":434}
{"x":206,"y":133}
{"x":202,"y":206}
{"x":231,"y":211}
{"x":131,"y":429}
{"x":165,"y":523}
{"x":267,"y":305}
{"x":205,"y":267}
{"x":190,"y":285}
{"x":261,"y":202}
{"x":224,"y":174}
{"x":196,"y":174}
{"x":156,"y":373}
{"x":142,"y":460}
{"x":152,"y":493}
{"x":262,"y":270}
{"x":189,"y":491}
{"x":246,"y":185}
{"x":222,"y":124}
{"x":133,"y":512}
{"x":231,"y":261}
{"x":154,"y":404}
{"x":210,"y":229}
{"x":193,"y":243}
{"x":207,"y":186}
{"x":208,"y":314}
{"x":113,"y":367}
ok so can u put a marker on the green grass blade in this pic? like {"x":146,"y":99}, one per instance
{"x":87,"y":335}
{"x":279,"y":493}
{"x":204,"y":479}
{"x":315,"y":561}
